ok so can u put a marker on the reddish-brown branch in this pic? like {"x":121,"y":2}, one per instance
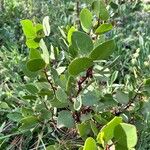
{"x":129,"y":104}
{"x":49,"y":81}
{"x":89,"y":74}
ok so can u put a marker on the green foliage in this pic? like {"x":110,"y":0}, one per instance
{"x":103,"y":51}
{"x":104,"y":28}
{"x":86,"y":19}
{"x":77,"y":85}
{"x":79,"y":65}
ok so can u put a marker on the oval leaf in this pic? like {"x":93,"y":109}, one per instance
{"x":28,"y":28}
{"x":79,"y":65}
{"x":65,"y":119}
{"x":70,"y":32}
{"x":100,"y":9}
{"x":35,"y":64}
{"x":61,"y":95}
{"x":104,"y":28}
{"x":104,"y":15}
{"x":103,"y":51}
{"x":126,"y":135}
{"x":78,"y":103}
{"x":82,"y":43}
{"x":86,"y":19}
{"x":46,"y":26}
{"x":90,"y":144}
{"x":45,"y":51}
{"x":107,"y":132}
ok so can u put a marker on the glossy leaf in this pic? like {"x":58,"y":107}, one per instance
{"x":104,"y":28}
{"x":79,"y":65}
{"x":103,"y":51}
{"x":34,"y":53}
{"x":126,"y":135}
{"x":107,"y":132}
{"x":90,"y":144}
{"x":31,"y":43}
{"x":36,"y":64}
{"x":86,"y":19}
{"x":82,"y":43}
{"x":70,"y":32}
{"x":28,"y":28}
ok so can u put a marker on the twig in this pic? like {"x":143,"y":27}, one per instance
{"x":124,"y":108}
{"x":89,"y":74}
{"x":40,"y":137}
{"x":49,"y":81}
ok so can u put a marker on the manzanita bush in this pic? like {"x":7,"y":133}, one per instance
{"x":70,"y":95}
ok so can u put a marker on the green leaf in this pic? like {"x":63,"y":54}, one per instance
{"x":38,"y":27}
{"x":79,"y":65}
{"x":107,"y":132}
{"x":51,"y":147}
{"x":31,"y":43}
{"x":100,"y":9}
{"x":114,"y":77}
{"x":71,"y":85}
{"x":90,"y":144}
{"x":56,"y":103}
{"x":65,"y":119}
{"x":36,"y":65}
{"x":31,"y":88}
{"x":104,"y":28}
{"x":29,"y":97}
{"x":103,"y":51}
{"x":147,"y":82}
{"x":34,"y":53}
{"x":4,"y":105}
{"x":126,"y":135}
{"x":84,"y":129}
{"x":94,"y":128}
{"x":26,"y":71}
{"x":61,"y":95}
{"x":45,"y":54}
{"x":45,"y":91}
{"x":15,"y":116}
{"x":113,"y":5}
{"x":26,"y":111}
{"x":45,"y":114}
{"x":89,"y":98}
{"x":28,"y":29}
{"x":122,"y":98}
{"x":78,"y":103}
{"x":70,"y":32}
{"x":28,"y":122}
{"x":103,"y":12}
{"x":82,"y":43}
{"x":86,"y":19}
{"x":46,"y":26}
